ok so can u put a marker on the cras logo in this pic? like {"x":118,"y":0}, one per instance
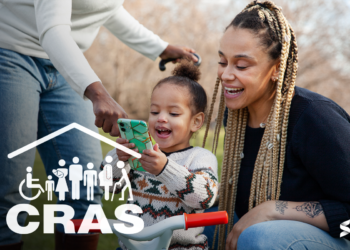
{"x":76,"y":175}
{"x":345,"y":227}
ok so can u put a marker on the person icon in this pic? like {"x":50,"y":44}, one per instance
{"x":106,"y":176}
{"x":90,"y":180}
{"x":75,"y":176}
{"x":61,"y":173}
{"x":125,"y":177}
{"x":29,"y":180}
{"x":49,"y":187}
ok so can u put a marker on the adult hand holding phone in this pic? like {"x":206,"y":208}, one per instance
{"x":106,"y":109}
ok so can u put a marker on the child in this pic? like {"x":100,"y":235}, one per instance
{"x":179,"y":178}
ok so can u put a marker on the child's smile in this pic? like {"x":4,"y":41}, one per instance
{"x":163,"y":132}
{"x":170,"y":120}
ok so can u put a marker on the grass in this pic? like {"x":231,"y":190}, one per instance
{"x":39,"y":240}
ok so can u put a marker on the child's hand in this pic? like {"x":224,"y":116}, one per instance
{"x":122,"y":156}
{"x":153,"y":161}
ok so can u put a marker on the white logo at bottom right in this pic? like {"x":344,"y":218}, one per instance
{"x":345,"y":228}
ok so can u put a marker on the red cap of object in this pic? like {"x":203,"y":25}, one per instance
{"x":205,"y":219}
{"x":77,"y":224}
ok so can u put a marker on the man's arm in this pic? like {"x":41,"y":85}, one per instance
{"x":127,"y":29}
{"x":53,"y":20}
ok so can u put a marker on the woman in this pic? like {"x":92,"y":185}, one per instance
{"x":286,"y":166}
{"x":61,"y":187}
{"x":43,"y":83}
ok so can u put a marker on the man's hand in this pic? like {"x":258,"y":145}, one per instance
{"x":153,"y":161}
{"x":178,"y":52}
{"x":106,"y":110}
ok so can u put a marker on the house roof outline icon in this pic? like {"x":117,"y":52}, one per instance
{"x":66,"y":129}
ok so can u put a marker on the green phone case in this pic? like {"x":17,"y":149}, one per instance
{"x":136,"y":132}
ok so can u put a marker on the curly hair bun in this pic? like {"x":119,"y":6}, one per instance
{"x":187,"y":69}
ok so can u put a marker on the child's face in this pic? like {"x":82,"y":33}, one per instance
{"x":171,"y":122}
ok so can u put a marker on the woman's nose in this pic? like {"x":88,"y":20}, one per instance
{"x":228,"y":74}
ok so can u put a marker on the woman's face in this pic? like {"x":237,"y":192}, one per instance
{"x":245,"y":69}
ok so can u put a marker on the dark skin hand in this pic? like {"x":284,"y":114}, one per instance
{"x":179,"y":52}
{"x":106,"y":109}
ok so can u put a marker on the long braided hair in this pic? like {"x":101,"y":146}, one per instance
{"x":266,"y":20}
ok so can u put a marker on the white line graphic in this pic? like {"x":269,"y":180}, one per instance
{"x":66,"y":129}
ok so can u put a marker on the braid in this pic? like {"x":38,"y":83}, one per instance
{"x":237,"y":159}
{"x":226,"y":149}
{"x":211,"y":110}
{"x":219,"y":120}
{"x":289,"y":98}
{"x":234,"y":164}
{"x":268,"y":22}
{"x":224,"y":180}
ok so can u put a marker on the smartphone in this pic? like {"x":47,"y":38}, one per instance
{"x":136,"y":131}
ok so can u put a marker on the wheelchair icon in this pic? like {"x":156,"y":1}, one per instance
{"x":29,"y":180}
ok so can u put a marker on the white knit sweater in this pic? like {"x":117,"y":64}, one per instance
{"x":63,"y":29}
{"x":187,"y":184}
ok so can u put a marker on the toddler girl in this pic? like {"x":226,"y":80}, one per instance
{"x":179,"y":178}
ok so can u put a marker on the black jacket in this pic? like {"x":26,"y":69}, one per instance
{"x":317,"y":166}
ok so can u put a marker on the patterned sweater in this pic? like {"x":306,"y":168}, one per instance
{"x":187,"y":184}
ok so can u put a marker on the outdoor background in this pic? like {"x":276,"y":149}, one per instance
{"x":322,"y":28}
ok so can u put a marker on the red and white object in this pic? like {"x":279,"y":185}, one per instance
{"x":158,"y":236}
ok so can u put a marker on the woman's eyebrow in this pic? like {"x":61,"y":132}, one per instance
{"x":237,"y":56}
{"x":243,"y":56}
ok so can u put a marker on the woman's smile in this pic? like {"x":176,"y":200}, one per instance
{"x":232,"y":92}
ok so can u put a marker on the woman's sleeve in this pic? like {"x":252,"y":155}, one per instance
{"x":53,"y":19}
{"x":128,"y":30}
{"x":322,"y":141}
{"x":196,"y":185}
{"x":117,"y":172}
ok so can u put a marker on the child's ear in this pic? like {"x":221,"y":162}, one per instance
{"x":198,"y":121}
